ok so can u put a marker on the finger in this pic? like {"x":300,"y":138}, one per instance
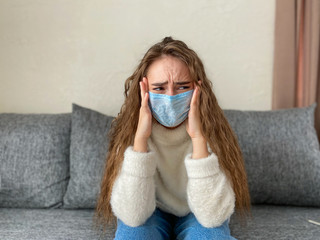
{"x":141,"y":94}
{"x":145,"y":80}
{"x":146,"y":97}
{"x":144,"y":84}
{"x":142,"y":87}
{"x":194,"y":97}
{"x":144,"y":103}
{"x":144,"y":94}
{"x":198,"y":95}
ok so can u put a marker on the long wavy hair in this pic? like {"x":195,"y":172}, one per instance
{"x":215,"y":128}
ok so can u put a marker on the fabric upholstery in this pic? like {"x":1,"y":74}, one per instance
{"x":267,"y":222}
{"x":34,"y":156}
{"x":280,"y":148}
{"x":278,"y":222}
{"x":281,"y":153}
{"x":49,"y":224}
{"x":88,"y":148}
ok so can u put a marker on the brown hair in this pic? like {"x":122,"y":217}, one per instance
{"x":215,"y":128}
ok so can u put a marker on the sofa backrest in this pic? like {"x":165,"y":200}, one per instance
{"x":57,"y":160}
{"x":34,"y":159}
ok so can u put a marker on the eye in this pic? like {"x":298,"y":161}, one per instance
{"x":158,"y":89}
{"x":184,"y":87}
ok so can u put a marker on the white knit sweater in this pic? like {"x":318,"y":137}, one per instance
{"x":167,"y":177}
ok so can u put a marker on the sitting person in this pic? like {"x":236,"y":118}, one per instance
{"x":174,"y":167}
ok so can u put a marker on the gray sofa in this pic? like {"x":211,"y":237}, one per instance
{"x":51,"y":165}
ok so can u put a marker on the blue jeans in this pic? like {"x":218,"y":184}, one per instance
{"x":163,"y":225}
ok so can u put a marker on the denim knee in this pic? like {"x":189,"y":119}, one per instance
{"x":188,"y":228}
{"x":156,"y":227}
{"x":124,"y":232}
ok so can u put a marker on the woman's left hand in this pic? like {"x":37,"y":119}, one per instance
{"x":193,"y":121}
{"x":199,"y":142}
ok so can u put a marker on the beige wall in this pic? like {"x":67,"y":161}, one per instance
{"x":56,"y":52}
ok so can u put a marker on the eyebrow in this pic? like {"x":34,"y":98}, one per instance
{"x":163,"y":83}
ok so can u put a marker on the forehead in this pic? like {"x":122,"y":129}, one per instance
{"x":168,"y":68}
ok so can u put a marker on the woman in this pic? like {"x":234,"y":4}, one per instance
{"x":174,"y":167}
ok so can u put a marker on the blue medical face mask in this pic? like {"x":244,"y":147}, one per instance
{"x":170,"y":111}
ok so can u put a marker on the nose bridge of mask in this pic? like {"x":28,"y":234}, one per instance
{"x":181,"y":98}
{"x":172,"y":97}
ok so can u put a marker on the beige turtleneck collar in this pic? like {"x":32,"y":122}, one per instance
{"x":165,"y":136}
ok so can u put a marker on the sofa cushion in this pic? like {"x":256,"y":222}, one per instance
{"x":88,"y":148}
{"x":34,"y":155}
{"x":281,"y":153}
{"x":50,"y":224}
{"x":278,"y":222}
{"x":267,"y":222}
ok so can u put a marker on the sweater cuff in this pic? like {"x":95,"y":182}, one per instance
{"x":139,"y":164}
{"x":202,"y":167}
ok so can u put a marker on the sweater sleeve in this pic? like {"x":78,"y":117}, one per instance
{"x":210,"y":195}
{"x":133,"y":192}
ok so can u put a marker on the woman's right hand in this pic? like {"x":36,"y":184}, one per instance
{"x":145,"y":119}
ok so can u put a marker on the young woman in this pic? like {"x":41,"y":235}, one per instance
{"x":174,"y":167}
